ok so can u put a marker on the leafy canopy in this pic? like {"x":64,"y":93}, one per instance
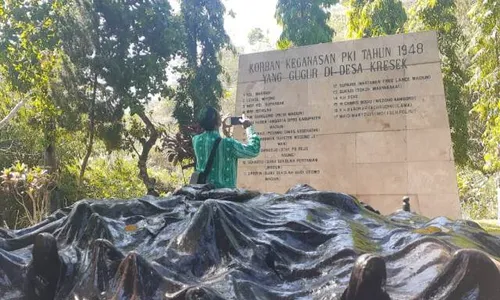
{"x":375,"y":18}
{"x":485,"y":82}
{"x":204,"y":37}
{"x":440,"y":16}
{"x":31,"y":54}
{"x":304,"y":22}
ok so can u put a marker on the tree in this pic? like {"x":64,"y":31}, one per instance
{"x":30,"y":60}
{"x":256,"y":35}
{"x":259,"y":40}
{"x":304,"y":22}
{"x":79,"y":83}
{"x":440,"y":16}
{"x":21,"y":139}
{"x":375,"y":18}
{"x":338,"y":22}
{"x":485,"y":81}
{"x":229,"y":64}
{"x":81,"y":76}
{"x":119,"y":57}
{"x":204,"y":38}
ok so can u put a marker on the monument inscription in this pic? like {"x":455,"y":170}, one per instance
{"x":365,"y":117}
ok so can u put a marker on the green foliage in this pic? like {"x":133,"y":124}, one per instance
{"x":375,"y":18}
{"x":115,"y":70}
{"x":30,"y":57}
{"x":440,"y":16}
{"x":29,"y":45}
{"x":477,"y":194}
{"x":21,"y":141}
{"x":115,"y":178}
{"x":171,"y":178}
{"x":89,"y":54}
{"x":304,"y":22}
{"x":284,"y":44}
{"x":485,"y":81}
{"x":127,"y":66}
{"x":204,"y":38}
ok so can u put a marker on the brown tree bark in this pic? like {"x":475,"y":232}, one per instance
{"x":91,"y":131}
{"x":147,"y":145}
{"x":50,"y":161}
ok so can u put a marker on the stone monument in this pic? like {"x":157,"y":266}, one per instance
{"x":364,"y":117}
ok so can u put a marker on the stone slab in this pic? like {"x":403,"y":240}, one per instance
{"x":435,"y":205}
{"x":382,"y":146}
{"x":365,"y":117}
{"x":382,"y":178}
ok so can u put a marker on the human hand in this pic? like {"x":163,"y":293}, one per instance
{"x":245,"y":122}
{"x":226,"y":126}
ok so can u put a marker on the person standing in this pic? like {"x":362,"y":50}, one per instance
{"x":225,"y":164}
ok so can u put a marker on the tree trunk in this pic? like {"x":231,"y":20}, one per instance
{"x":50,"y":161}
{"x":50,"y":157}
{"x":91,"y":131}
{"x":147,"y":145}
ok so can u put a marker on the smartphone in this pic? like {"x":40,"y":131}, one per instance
{"x":235,"y":121}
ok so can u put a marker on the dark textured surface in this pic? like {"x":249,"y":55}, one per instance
{"x":234,"y":244}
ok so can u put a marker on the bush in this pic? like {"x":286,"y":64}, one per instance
{"x":30,"y":188}
{"x":116,"y":176}
{"x":170,"y":179}
{"x":113,"y":177}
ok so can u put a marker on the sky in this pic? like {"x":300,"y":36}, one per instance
{"x":249,"y":15}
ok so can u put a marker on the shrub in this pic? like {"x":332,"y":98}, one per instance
{"x":114,"y":177}
{"x":30,"y":188}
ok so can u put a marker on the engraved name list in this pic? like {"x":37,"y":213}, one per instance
{"x":327,"y":112}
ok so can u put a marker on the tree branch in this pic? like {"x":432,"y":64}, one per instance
{"x":12,"y":113}
{"x":131,"y":141}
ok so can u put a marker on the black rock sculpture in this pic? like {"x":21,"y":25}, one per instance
{"x":203,"y":243}
{"x":368,"y":278}
{"x":44,"y":270}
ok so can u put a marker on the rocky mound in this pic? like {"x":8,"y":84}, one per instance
{"x":234,"y":244}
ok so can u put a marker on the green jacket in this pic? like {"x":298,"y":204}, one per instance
{"x":225,"y":165}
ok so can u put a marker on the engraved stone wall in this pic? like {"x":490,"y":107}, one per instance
{"x":365,"y":117}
